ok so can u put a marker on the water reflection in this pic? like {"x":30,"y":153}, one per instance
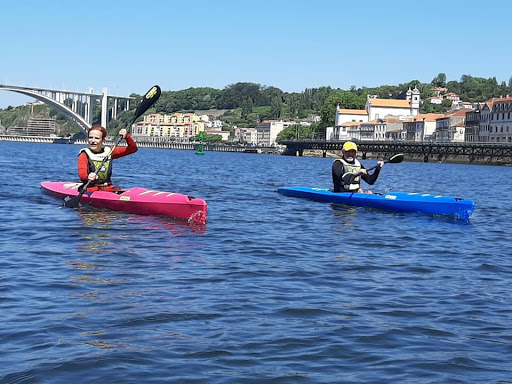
{"x":101,"y":219}
{"x":345,"y":212}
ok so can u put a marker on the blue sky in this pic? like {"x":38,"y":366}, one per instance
{"x":128,"y":46}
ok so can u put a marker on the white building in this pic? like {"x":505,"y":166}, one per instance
{"x":340,"y":132}
{"x":247,"y":135}
{"x":485,"y":120}
{"x":223,"y":134}
{"x":421,"y":127}
{"x":215,"y":124}
{"x":377,"y":130}
{"x":435,"y":100}
{"x":269,"y":129}
{"x":375,"y":109}
{"x":349,"y":115}
{"x":450,"y":128}
{"x":472,"y":123}
{"x":381,"y":108}
{"x":500,"y":126}
{"x":489,"y":116}
{"x":36,"y":126}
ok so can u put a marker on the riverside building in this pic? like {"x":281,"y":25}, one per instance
{"x":176,"y":127}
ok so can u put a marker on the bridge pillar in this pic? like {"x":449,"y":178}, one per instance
{"x":114,"y":112}
{"x":104,"y":108}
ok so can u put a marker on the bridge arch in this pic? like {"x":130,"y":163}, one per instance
{"x":67,"y":112}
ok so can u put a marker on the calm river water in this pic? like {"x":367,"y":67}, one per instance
{"x":271,"y":290}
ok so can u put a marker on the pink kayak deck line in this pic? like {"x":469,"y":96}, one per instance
{"x":141,"y":201}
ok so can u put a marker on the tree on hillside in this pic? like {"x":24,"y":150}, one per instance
{"x":453,"y":86}
{"x":187,"y":100}
{"x":295,"y":103}
{"x":294,"y":132}
{"x":247,"y":106}
{"x":276,"y":107}
{"x":231,"y":97}
{"x":345,"y":99}
{"x":314,"y":98}
{"x":267,"y":94}
{"x":504,"y":90}
{"x":446,"y":104}
{"x":439,"y":80}
{"x":477,"y":89}
{"x":428,"y":107}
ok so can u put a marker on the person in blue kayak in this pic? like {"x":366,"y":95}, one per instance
{"x":347,"y":171}
{"x":90,"y":158}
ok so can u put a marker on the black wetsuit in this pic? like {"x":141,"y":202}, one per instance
{"x":338,"y":170}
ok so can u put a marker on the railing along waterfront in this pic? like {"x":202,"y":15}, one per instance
{"x":496,"y":153}
{"x":141,"y":143}
{"x":29,"y":139}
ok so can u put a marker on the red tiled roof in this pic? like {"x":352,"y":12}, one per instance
{"x":352,"y":112}
{"x":393,"y":103}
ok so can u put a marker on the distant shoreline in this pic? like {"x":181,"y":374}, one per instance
{"x":415,"y":157}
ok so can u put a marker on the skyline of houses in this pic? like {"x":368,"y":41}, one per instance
{"x":179,"y":127}
{"x":182,"y":127}
{"x":393,"y":119}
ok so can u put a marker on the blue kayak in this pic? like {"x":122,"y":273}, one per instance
{"x":392,"y":201}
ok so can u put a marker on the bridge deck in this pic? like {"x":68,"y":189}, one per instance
{"x":427,"y":150}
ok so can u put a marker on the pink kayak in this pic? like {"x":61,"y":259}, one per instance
{"x":135,"y":200}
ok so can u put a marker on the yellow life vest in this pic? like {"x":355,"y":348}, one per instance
{"x":353,"y":169}
{"x":95,"y":159}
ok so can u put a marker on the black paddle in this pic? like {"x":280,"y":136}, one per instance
{"x":147,"y":101}
{"x":348,"y":178}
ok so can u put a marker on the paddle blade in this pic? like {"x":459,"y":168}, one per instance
{"x":398,"y":158}
{"x":72,"y":202}
{"x":147,"y":101}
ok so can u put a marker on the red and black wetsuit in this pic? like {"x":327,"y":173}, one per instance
{"x":85,"y":166}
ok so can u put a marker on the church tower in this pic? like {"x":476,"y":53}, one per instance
{"x":415,"y":102}
{"x":414,"y":98}
{"x":408,"y":94}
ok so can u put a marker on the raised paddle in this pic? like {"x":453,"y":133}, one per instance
{"x":348,"y":178}
{"x":147,"y":101}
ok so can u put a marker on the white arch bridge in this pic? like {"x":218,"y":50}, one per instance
{"x":76,"y":106}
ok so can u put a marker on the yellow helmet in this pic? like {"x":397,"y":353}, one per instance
{"x":349,"y":145}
